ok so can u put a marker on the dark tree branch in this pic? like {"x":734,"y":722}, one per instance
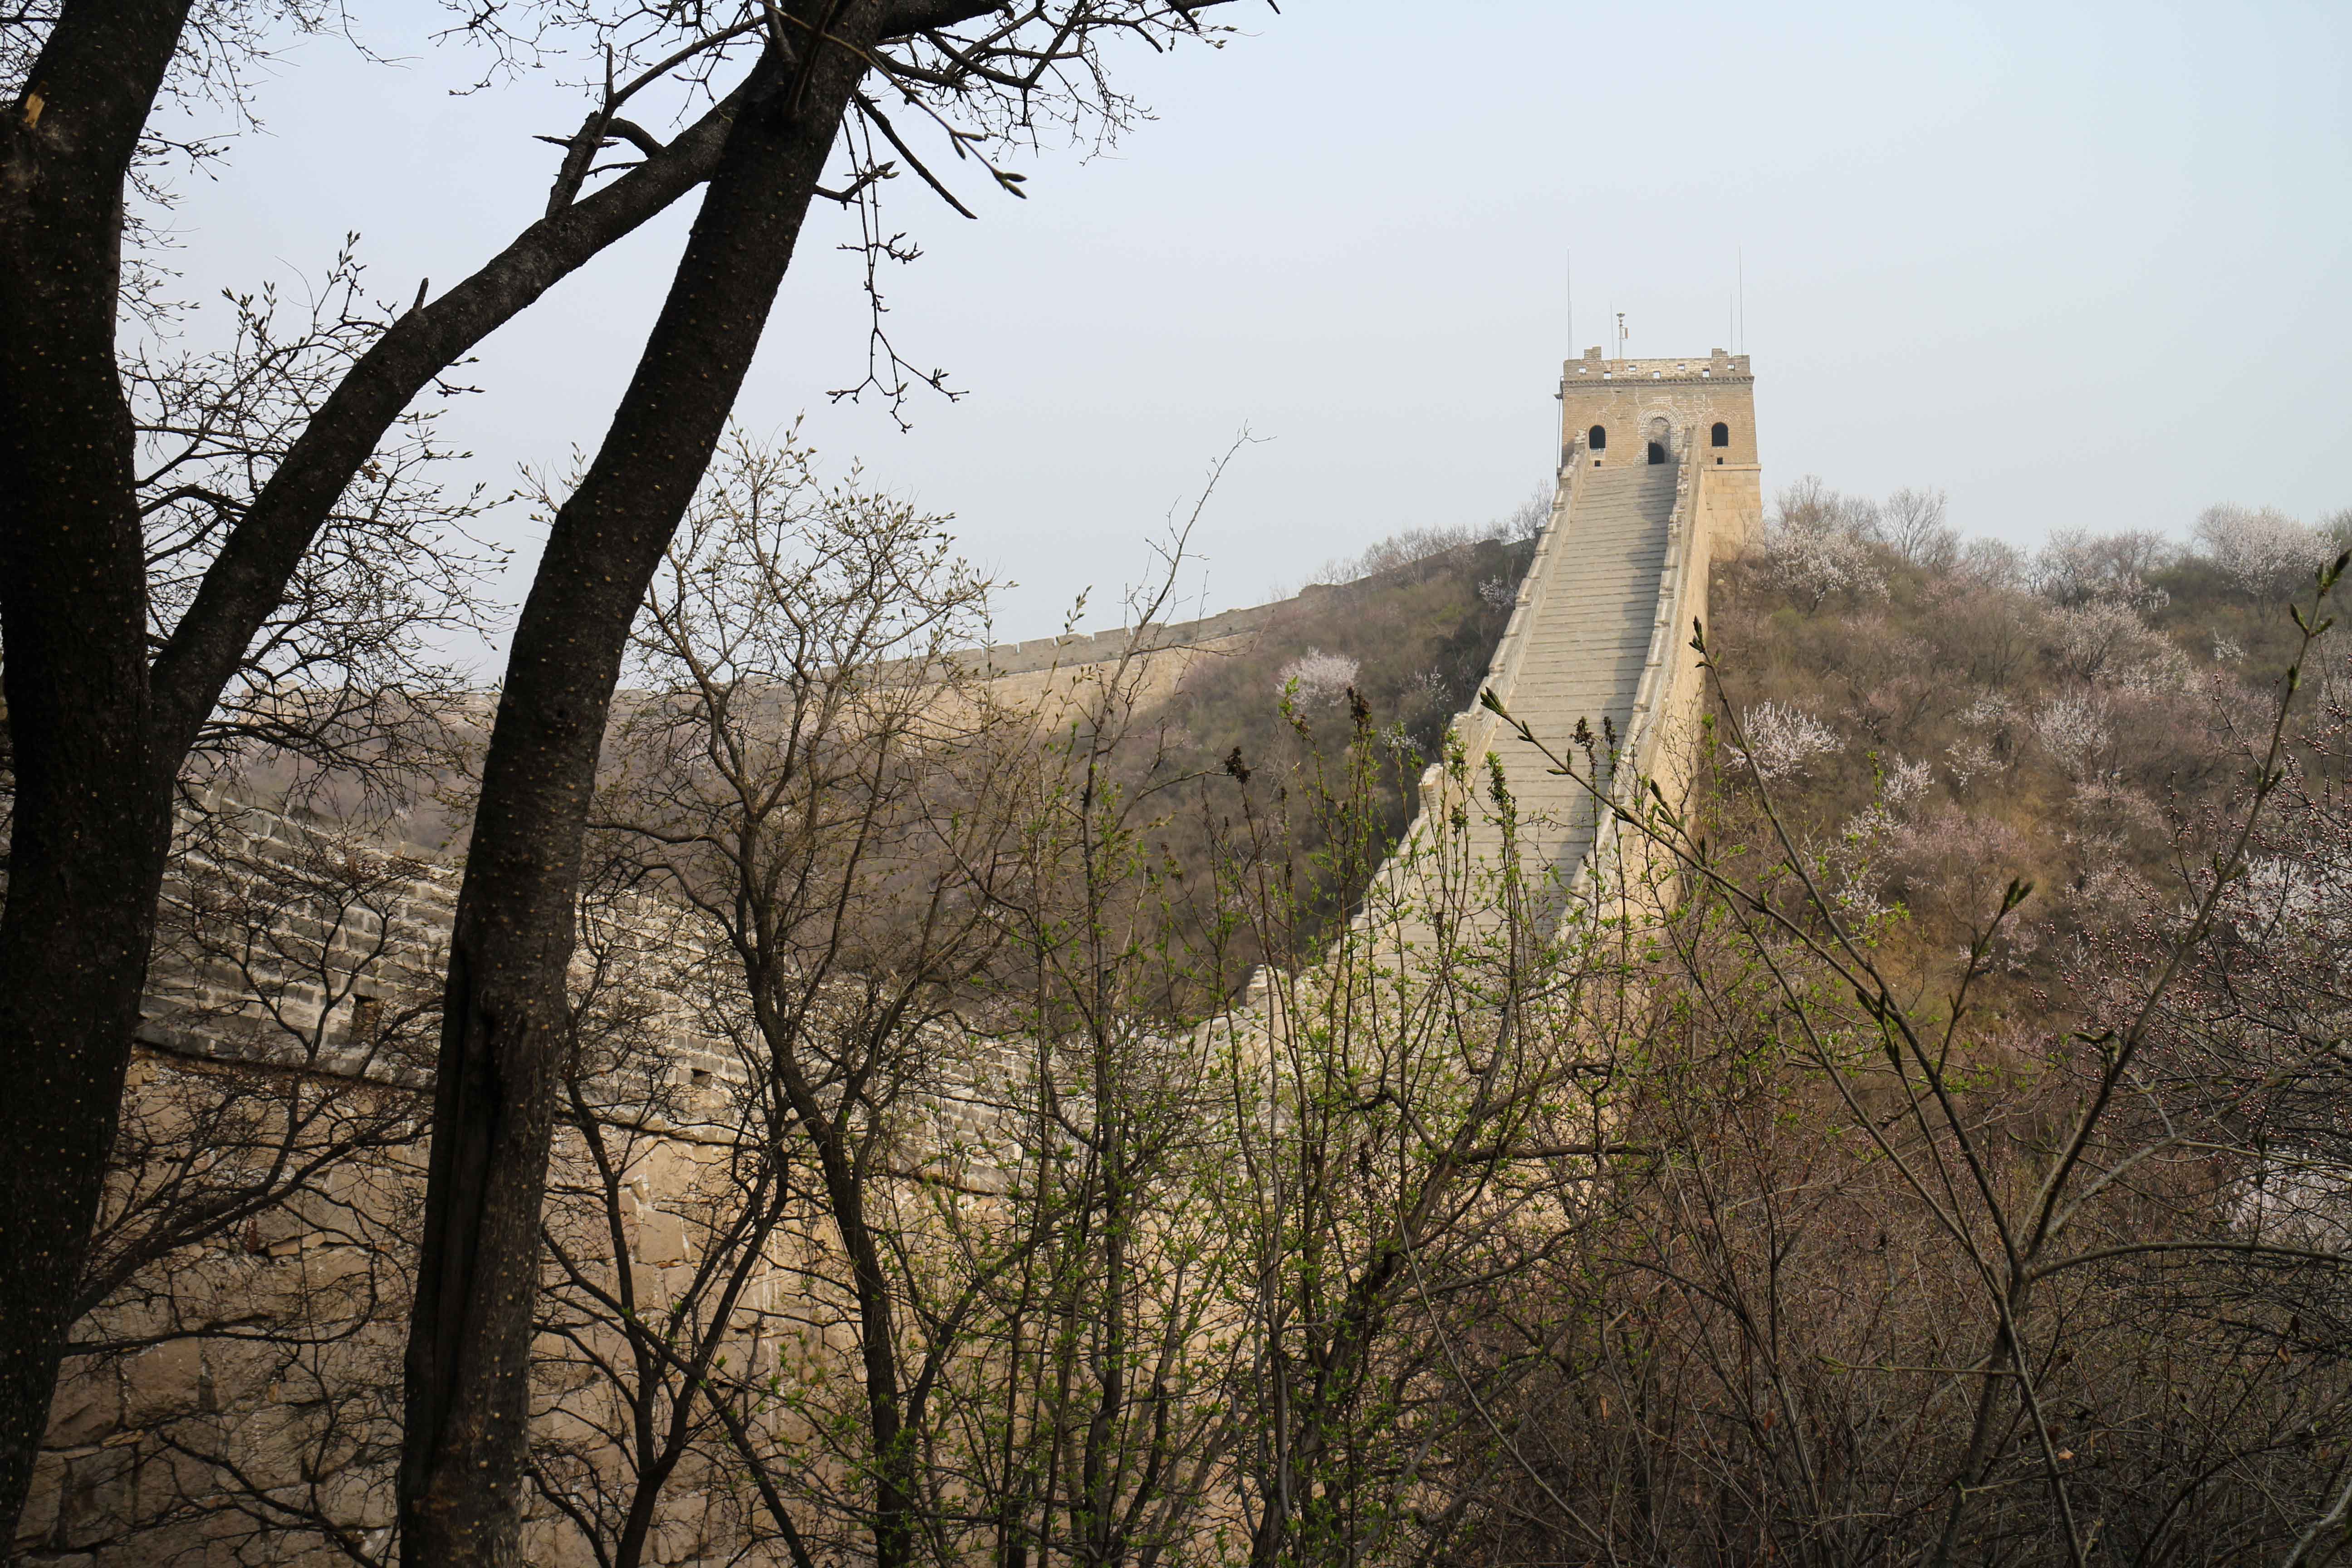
{"x":248,"y":579}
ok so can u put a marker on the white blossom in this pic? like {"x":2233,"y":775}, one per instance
{"x":2072,"y":729}
{"x":1990,"y":708}
{"x":1971,"y":760}
{"x":1781,"y":740}
{"x":2262,"y":551}
{"x":1320,"y":677}
{"x":1904,"y":781}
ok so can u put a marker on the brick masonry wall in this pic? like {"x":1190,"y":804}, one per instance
{"x":245,"y":1389}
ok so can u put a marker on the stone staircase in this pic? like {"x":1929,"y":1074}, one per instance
{"x":1583,"y":654}
{"x":1587,"y":641}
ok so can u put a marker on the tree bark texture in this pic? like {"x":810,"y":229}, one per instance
{"x":466,"y":1443}
{"x":92,"y":812}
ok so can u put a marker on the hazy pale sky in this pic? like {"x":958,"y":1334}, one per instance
{"x":2075,"y":264}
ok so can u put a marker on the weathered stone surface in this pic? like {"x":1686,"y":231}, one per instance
{"x":163,"y":1381}
{"x":88,"y":1405}
{"x":99,"y":1496}
{"x":1635,"y":401}
{"x":661,"y":1238}
{"x":38,"y":1525}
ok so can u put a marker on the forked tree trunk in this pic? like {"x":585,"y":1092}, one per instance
{"x":96,"y":736}
{"x":462,"y":1470}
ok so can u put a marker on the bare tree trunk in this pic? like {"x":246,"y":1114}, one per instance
{"x":461,"y":1483}
{"x":95,"y":738}
{"x":92,"y":811}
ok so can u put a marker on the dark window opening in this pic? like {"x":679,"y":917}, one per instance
{"x":1597,"y":439}
{"x":1721,"y":435}
{"x":1657,"y":453}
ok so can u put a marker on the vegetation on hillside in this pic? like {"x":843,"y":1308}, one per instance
{"x":1988,"y":1186}
{"x":1933,"y":719}
{"x":1394,"y":647}
{"x":983,"y":1142}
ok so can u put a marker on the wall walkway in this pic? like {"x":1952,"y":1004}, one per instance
{"x":1596,"y":661}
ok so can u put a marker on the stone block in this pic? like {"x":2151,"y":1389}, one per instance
{"x":164,"y":1381}
{"x":359,"y":1497}
{"x":38,"y":1522}
{"x":99,"y":1495}
{"x":172,"y":1477}
{"x":274,"y":1226}
{"x":88,"y":1405}
{"x":661,"y":1238}
{"x":241,"y":1374}
{"x":677,"y":1539}
{"x":556,"y":1544}
{"x":273,"y":1444}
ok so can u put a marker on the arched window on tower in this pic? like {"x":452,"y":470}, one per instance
{"x":1657,"y":451}
{"x":1597,"y":439}
{"x":1720,"y":436}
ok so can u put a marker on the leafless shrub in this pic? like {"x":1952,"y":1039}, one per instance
{"x":2106,"y":642}
{"x":1815,"y":545}
{"x":1528,"y":519}
{"x":1917,"y":1282}
{"x":2078,"y":567}
{"x":1993,"y":562}
{"x":1410,"y":545}
{"x":1912,"y":524}
{"x":2074,"y":728}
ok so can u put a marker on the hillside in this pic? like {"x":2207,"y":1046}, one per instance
{"x":1934,"y":720}
{"x":1931,"y":716}
{"x":1405,"y":634}
{"x":1717,"y":1257}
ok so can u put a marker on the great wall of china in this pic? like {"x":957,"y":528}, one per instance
{"x":1658,"y":478}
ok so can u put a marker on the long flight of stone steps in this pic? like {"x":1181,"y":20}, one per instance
{"x":1579,"y":647}
{"x":1584,"y":649}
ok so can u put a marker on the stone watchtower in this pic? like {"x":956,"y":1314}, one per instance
{"x":1629,"y":410}
{"x":1621,"y":413}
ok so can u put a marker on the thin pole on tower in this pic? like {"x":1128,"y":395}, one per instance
{"x":1571,"y":274}
{"x":1742,"y":262}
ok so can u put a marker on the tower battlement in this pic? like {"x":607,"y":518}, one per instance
{"x":1715,"y":366}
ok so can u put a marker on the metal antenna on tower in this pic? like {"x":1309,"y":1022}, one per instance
{"x":1620,"y":334}
{"x":1571,"y":272}
{"x":1742,"y":255}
